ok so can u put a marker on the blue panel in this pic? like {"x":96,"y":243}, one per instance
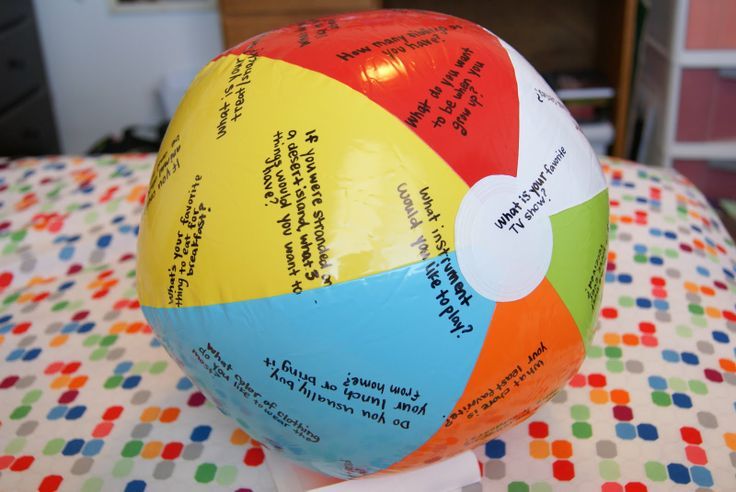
{"x":294,"y":358}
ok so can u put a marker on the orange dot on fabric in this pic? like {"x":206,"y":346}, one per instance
{"x":707,"y":290}
{"x":58,"y":340}
{"x":539,"y":449}
{"x":169,"y":415}
{"x":78,"y":382}
{"x":620,"y":397}
{"x":727,"y":365}
{"x":698,"y":243}
{"x":713,"y":312}
{"x":60,"y":382}
{"x":561,"y":449}
{"x":239,"y":437}
{"x":135,"y":327}
{"x":611,"y":255}
{"x":152,"y":450}
{"x":117,"y":328}
{"x":599,"y":396}
{"x":630,"y":340}
{"x":730,"y":439}
{"x":691,"y":287}
{"x":626,"y":219}
{"x":150,"y":414}
{"x":611,"y":338}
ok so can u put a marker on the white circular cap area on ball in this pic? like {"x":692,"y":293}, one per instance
{"x":503,"y":245}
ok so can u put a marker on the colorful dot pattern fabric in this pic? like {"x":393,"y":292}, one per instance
{"x":90,"y":401}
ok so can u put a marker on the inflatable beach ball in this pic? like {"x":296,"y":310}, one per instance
{"x":375,"y":240}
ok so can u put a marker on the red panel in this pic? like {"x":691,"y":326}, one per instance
{"x":449,"y":80}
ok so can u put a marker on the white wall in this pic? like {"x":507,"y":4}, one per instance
{"x":104,"y":67}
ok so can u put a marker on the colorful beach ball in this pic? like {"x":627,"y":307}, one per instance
{"x":375,"y":240}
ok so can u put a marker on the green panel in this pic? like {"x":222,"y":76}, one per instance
{"x":579,"y":257}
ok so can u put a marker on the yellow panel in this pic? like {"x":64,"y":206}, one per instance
{"x":362,"y":173}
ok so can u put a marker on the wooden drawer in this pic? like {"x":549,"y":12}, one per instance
{"x":249,"y":7}
{"x":21,"y":70}
{"x":28,"y":128}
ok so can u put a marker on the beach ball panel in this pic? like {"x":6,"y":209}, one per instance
{"x":376,"y":324}
{"x":492,"y":401}
{"x":579,"y":259}
{"x":453,"y":60}
{"x":365,"y":158}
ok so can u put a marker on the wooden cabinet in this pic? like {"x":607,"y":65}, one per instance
{"x":242,"y":19}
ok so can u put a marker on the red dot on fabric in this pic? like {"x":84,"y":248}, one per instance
{"x":538,"y":430}
{"x":21,"y":328}
{"x":5,"y":461}
{"x":646,"y":327}
{"x":22,"y":463}
{"x":612,"y":487}
{"x":577,"y":381}
{"x":713,"y":375}
{"x":649,"y":341}
{"x":50,"y":483}
{"x":172,"y":450}
{"x":659,"y":293}
{"x":696,"y":455}
{"x":691,"y":435}
{"x":112,"y":413}
{"x":658,"y":281}
{"x":40,"y":297}
{"x":102,"y":429}
{"x":75,"y":268}
{"x":622,"y":412}
{"x":79,"y":316}
{"x":563,"y":470}
{"x":5,"y":279}
{"x":134,"y":304}
{"x":597,"y":380}
{"x":254,"y":457}
{"x":196,"y":399}
{"x":609,"y":313}
{"x":53,"y":367}
{"x":68,"y":396}
{"x":8,"y":381}
{"x":729,"y":315}
{"x":635,"y":487}
{"x":100,"y":293}
{"x":71,"y":367}
{"x":720,"y":285}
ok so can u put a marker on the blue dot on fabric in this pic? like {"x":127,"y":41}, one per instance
{"x":73,"y":239}
{"x":625,"y":278}
{"x":118,"y":219}
{"x":6,"y":328}
{"x":72,"y":447}
{"x":640,"y":248}
{"x":656,"y":260}
{"x":184,"y":384}
{"x":87,"y":327}
{"x":93,"y":447}
{"x":670,"y":235}
{"x":682,"y":400}
{"x":66,"y":285}
{"x":66,"y":253}
{"x":630,"y":184}
{"x":661,"y":305}
{"x":5,"y":318}
{"x":125,"y":228}
{"x":655,"y":203}
{"x":696,"y":228}
{"x":201,"y":433}
{"x":703,"y":271}
{"x":670,"y":356}
{"x":643,"y":302}
{"x":496,"y":449}
{"x":70,"y":327}
{"x":655,"y":232}
{"x":15,"y":355}
{"x":690,"y":358}
{"x":701,"y":476}
{"x":56,"y":412}
{"x":104,"y":241}
{"x":641,"y":199}
{"x":657,"y":383}
{"x":76,"y":412}
{"x":155,"y":342}
{"x":131,"y":382}
{"x":123,"y":367}
{"x":135,"y":486}
{"x":678,"y":473}
{"x":626,"y":431}
{"x":728,"y":274}
{"x":610,"y":277}
{"x":720,"y":337}
{"x":647,"y":432}
{"x":32,"y":354}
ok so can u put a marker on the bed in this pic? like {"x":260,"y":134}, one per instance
{"x":90,"y":401}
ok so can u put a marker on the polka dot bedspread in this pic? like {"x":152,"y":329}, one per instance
{"x":90,"y":401}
